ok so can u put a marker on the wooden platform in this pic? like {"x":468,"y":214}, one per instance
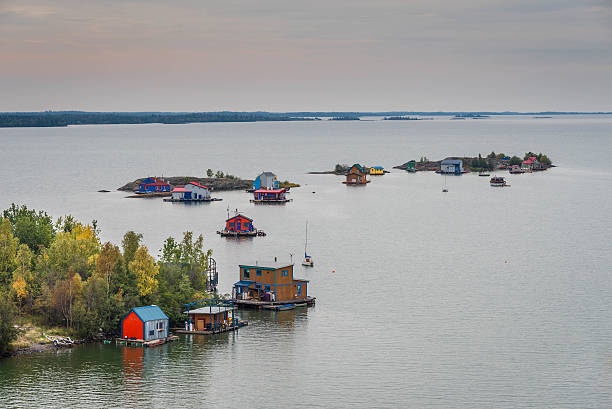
{"x":271,"y":201}
{"x":255,"y":233}
{"x":240,"y":324}
{"x":309,"y":301}
{"x":212,"y":199}
{"x":143,"y":343}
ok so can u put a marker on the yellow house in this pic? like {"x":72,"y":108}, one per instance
{"x":377,"y":170}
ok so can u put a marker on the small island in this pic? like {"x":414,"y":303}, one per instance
{"x":531,"y":162}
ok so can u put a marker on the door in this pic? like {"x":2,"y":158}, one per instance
{"x":200,"y":325}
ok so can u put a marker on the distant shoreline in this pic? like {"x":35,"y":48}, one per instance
{"x":66,"y":118}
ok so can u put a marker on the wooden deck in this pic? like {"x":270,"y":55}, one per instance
{"x":275,"y":201}
{"x":212,"y":199}
{"x":309,"y":301}
{"x":143,"y":343}
{"x":226,"y":329}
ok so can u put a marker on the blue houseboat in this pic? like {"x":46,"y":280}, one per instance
{"x":153,"y":185}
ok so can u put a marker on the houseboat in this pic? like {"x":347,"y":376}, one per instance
{"x":270,"y":196}
{"x":145,"y":326}
{"x":451,"y":167}
{"x":498,"y":181}
{"x":191,"y":192}
{"x":240,"y":226}
{"x":153,"y":185}
{"x":377,"y":171}
{"x":516,"y":170}
{"x":210,"y":316}
{"x":356,"y":175}
{"x":270,"y":284}
{"x":266,"y":180}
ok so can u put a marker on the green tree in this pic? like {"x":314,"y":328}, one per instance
{"x":515,"y":160}
{"x":545,"y":160}
{"x":219,"y":174}
{"x":32,"y":228}
{"x":8,"y":315}
{"x":491,"y":155}
{"x":108,"y":263}
{"x":8,"y":249}
{"x":529,"y":155}
{"x":209,"y":173}
{"x":130,"y":243}
{"x":145,"y":270}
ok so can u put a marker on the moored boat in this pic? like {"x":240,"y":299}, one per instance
{"x":498,"y":181}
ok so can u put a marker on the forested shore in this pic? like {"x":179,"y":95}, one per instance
{"x":58,"y":274}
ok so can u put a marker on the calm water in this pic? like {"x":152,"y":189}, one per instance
{"x":479,"y":297}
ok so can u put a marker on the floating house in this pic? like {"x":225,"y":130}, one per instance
{"x":452,"y":166}
{"x":240,"y":226}
{"x":192,"y":191}
{"x":153,"y":185}
{"x":529,"y":164}
{"x":356,"y":175}
{"x":269,"y":284}
{"x":377,"y":170}
{"x":266,"y":180}
{"x":145,"y":324}
{"x":210,"y":316}
{"x":270,"y":196}
{"x":411,"y":166}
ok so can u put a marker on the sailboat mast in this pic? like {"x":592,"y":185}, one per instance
{"x":306,"y":241}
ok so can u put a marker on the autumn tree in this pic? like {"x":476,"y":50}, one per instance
{"x":8,"y":249}
{"x":66,"y":296}
{"x":7,"y":322}
{"x":145,"y":270}
{"x":108,"y":263}
{"x":31,"y":227}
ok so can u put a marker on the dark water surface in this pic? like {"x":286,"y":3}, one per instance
{"x":480,"y":297}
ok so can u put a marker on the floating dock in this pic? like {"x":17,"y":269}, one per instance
{"x":227,"y":328}
{"x":141,"y":343}
{"x":274,"y":305}
{"x":212,"y":199}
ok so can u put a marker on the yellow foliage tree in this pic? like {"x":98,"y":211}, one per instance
{"x":145,"y":270}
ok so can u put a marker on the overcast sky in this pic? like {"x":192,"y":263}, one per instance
{"x":288,"y":55}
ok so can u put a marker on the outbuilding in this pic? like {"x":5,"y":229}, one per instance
{"x":145,"y":323}
{"x":451,"y":166}
{"x":266,"y":180}
{"x":153,"y":185}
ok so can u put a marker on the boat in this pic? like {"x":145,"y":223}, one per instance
{"x":483,"y":174}
{"x":516,"y":170}
{"x":235,"y":227}
{"x":307,"y":259}
{"x":445,"y":189}
{"x":498,"y":181}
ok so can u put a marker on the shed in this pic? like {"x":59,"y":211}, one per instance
{"x":145,"y":323}
{"x":209,"y":317}
{"x":356,"y":175}
{"x":451,"y":166}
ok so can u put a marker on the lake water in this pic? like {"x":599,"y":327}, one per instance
{"x":476,"y":298}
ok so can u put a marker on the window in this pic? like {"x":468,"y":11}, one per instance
{"x":267,"y":288}
{"x":299,"y":289}
{"x":258,"y":272}
{"x":246,"y":273}
{"x":284,"y":273}
{"x":258,"y":286}
{"x":152,"y":332}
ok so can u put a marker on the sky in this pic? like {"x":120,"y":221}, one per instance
{"x":316,"y":55}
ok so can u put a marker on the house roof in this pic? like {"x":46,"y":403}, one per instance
{"x":269,"y":191}
{"x":179,"y":189}
{"x":267,"y":174}
{"x":239,"y":215}
{"x":452,"y":162}
{"x":197,"y":184}
{"x":269,"y":265}
{"x":528,"y":161}
{"x":358,"y":167}
{"x":150,"y":313}
{"x":208,"y":310}
{"x":378,"y":167}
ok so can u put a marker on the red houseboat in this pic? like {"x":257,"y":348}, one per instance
{"x":240,"y":226}
{"x":270,"y":196}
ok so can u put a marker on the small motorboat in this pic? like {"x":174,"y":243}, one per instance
{"x":498,"y":181}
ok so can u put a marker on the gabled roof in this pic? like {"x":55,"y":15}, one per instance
{"x":197,"y":184}
{"x":239,"y":215}
{"x":266,"y":174}
{"x":149,"y":313}
{"x":180,"y":189}
{"x":267,"y":265}
{"x":358,"y":167}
